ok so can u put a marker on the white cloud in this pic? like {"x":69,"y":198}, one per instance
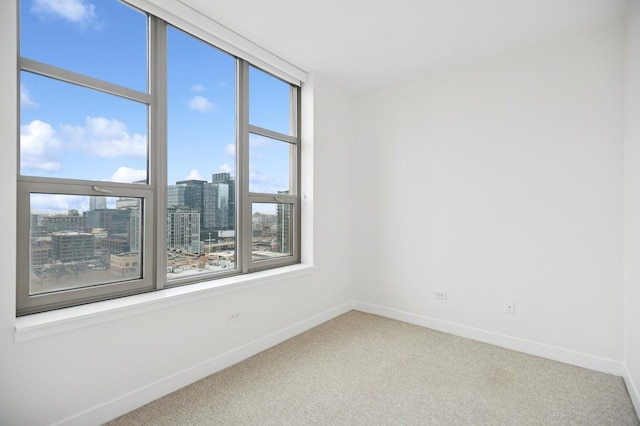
{"x":25,"y":98}
{"x":128,"y":175}
{"x":197,"y":88}
{"x":76,"y":11}
{"x":200,"y":103}
{"x":104,"y":137}
{"x":194,"y":175}
{"x":225,"y":168}
{"x":231,"y":149}
{"x":58,"y":203}
{"x":39,"y":147}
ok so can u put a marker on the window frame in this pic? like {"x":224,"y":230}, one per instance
{"x":154,"y":192}
{"x":27,"y":303}
{"x":249,"y":198}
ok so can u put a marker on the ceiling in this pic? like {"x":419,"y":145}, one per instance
{"x":365,"y":44}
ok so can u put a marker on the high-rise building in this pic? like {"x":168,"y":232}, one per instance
{"x":175,"y":195}
{"x":221,"y":206}
{"x":133,"y":205}
{"x":40,"y":250}
{"x":209,"y":214}
{"x":114,"y":245}
{"x":226,"y":202}
{"x":46,"y":224}
{"x":114,"y":221}
{"x":214,"y":200}
{"x":192,"y":193}
{"x":183,"y":227}
{"x":283,"y":235}
{"x":135,"y":229}
{"x":72,"y":246}
{"x":97,"y":203}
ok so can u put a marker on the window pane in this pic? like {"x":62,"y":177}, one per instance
{"x":105,"y":39}
{"x":68,"y":131}
{"x":187,"y":254}
{"x":80,"y":241}
{"x":201,"y":193}
{"x":269,"y":170}
{"x":269,"y":102}
{"x":271,"y":224}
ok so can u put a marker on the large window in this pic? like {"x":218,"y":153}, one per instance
{"x":148,"y":158}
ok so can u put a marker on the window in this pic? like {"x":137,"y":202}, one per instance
{"x":148,"y":158}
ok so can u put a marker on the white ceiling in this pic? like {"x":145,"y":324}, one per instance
{"x":364,"y":44}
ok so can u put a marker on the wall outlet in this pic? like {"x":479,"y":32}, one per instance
{"x":442,"y":295}
{"x":510,"y":306}
{"x":233,"y":316}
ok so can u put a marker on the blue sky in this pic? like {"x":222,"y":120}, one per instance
{"x":72,"y":132}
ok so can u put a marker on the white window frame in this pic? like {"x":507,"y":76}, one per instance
{"x":154,"y":193}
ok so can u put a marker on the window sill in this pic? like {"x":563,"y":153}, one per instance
{"x":47,"y":323}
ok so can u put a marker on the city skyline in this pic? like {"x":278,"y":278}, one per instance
{"x":63,"y":203}
{"x":67,"y":131}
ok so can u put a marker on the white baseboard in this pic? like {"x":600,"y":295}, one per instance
{"x":632,"y":388}
{"x":521,"y":345}
{"x":138,"y":397}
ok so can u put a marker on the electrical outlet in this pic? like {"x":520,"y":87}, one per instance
{"x":510,"y":306}
{"x":442,"y":295}
{"x":233,"y":316}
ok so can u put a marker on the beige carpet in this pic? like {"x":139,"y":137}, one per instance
{"x":361,"y":369}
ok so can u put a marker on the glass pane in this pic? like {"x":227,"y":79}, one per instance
{"x":271,"y":224}
{"x":81,"y":241}
{"x":189,"y":254}
{"x":269,"y":102}
{"x":269,"y":165}
{"x":104,"y":39}
{"x":68,"y":131}
{"x":201,"y":193}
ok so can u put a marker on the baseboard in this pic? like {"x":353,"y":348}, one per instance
{"x":521,"y":345}
{"x":137,"y":398}
{"x":632,"y":388}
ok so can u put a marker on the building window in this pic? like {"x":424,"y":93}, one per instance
{"x":148,"y":158}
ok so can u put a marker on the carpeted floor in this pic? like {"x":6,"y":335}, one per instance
{"x":361,"y":369}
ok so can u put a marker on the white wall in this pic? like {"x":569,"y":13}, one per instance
{"x":632,"y":205}
{"x":91,"y":374}
{"x":501,"y":180}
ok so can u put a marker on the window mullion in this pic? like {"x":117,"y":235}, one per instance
{"x":244,"y":230}
{"x":78,"y":79}
{"x":271,"y":134}
{"x":158,"y":142}
{"x":296,"y":97}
